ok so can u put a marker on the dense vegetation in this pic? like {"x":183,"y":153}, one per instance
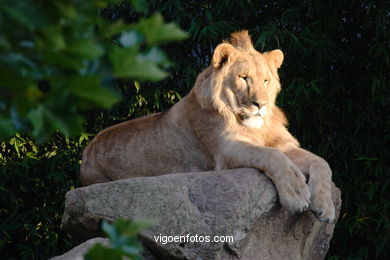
{"x":64,"y":58}
{"x":335,"y":81}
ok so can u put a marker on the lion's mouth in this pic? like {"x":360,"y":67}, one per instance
{"x":246,"y":113}
{"x":252,"y":117}
{"x":243,"y":116}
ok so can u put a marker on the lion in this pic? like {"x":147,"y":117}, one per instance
{"x":228,"y":120}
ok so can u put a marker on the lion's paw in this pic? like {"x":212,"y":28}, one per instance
{"x":295,"y":199}
{"x":293,"y":191}
{"x":322,"y":207}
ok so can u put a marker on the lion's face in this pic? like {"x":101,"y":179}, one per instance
{"x":248,"y":89}
{"x":249,"y":83}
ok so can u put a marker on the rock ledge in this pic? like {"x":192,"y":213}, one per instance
{"x":241,"y":203}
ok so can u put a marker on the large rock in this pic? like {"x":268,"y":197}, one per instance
{"x":241,"y":203}
{"x":79,"y":251}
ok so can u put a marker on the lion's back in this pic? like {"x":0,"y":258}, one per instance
{"x":107,"y":152}
{"x":153,"y":145}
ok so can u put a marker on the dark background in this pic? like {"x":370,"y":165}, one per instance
{"x":335,"y":92}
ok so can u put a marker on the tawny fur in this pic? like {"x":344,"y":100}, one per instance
{"x":210,"y":128}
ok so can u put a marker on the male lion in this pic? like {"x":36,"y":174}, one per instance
{"x":228,"y":120}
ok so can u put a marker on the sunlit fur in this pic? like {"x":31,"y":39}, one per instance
{"x":218,"y":87}
{"x":191,"y":135}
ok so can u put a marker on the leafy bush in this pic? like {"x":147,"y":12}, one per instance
{"x":122,"y":235}
{"x":33,"y":182}
{"x":63,"y":57}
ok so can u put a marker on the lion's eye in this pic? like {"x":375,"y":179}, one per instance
{"x":266,"y":82}
{"x":244,"y":79}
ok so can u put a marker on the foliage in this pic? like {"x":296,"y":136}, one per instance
{"x":33,"y":182}
{"x":62,"y":60}
{"x":335,"y":82}
{"x":63,"y":57}
{"x":122,"y":235}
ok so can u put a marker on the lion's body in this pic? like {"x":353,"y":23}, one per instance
{"x":147,"y":146}
{"x":228,"y":120}
{"x":180,"y":139}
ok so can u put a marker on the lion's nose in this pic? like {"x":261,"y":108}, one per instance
{"x":258,"y":105}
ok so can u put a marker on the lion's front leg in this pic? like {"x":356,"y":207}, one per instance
{"x":320,"y":174}
{"x":290,"y":183}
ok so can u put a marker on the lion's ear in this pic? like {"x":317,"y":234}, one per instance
{"x":274,"y":57}
{"x":222,"y":54}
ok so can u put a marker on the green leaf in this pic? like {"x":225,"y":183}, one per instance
{"x":157,"y":32}
{"x":123,"y":231}
{"x":63,"y":60}
{"x":99,"y":252}
{"x":25,"y":13}
{"x":68,"y":125}
{"x":158,"y":56}
{"x":20,"y":64}
{"x":53,"y":38}
{"x":140,"y":5}
{"x":87,"y":48}
{"x":126,"y":227}
{"x":66,"y":9}
{"x":130,"y":250}
{"x":37,"y":120}
{"x":129,"y":64}
{"x":45,"y":121}
{"x":89,"y":88}
{"x":109,"y":30}
{"x":104,"y":3}
{"x":4,"y":43}
{"x":110,"y":230}
{"x":7,"y":128}
{"x":130,"y":38}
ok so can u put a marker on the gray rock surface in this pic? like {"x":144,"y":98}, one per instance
{"x":242,"y":203}
{"x":78,"y":252}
